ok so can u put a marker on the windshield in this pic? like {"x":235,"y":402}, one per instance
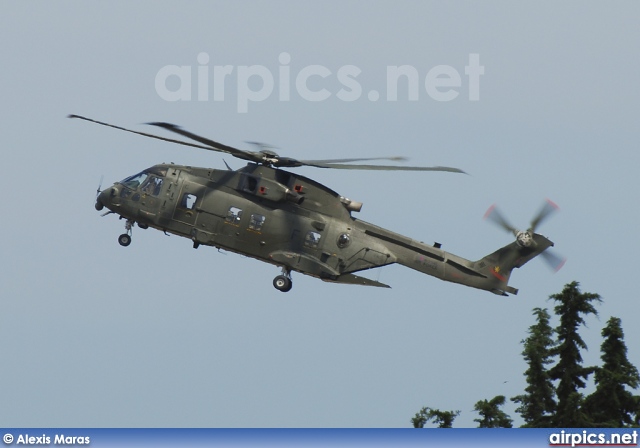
{"x":135,"y":181}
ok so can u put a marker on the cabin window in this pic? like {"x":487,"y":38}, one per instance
{"x":188,"y":201}
{"x":343,"y":240}
{"x":312,"y":239}
{"x":256,"y":222}
{"x":152,"y":186}
{"x":233,"y":215}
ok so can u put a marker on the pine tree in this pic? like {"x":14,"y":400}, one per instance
{"x":612,"y":405}
{"x":444,"y":419}
{"x":492,"y":415}
{"x":572,"y":307}
{"x":537,"y":404}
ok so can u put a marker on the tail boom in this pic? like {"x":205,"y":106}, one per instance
{"x":490,"y":273}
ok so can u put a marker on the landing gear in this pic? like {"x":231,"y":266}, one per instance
{"x":283,"y":282}
{"x":125,"y":239}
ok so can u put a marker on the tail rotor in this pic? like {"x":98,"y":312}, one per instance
{"x":526,"y":238}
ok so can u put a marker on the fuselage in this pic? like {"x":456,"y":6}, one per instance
{"x":287,"y":220}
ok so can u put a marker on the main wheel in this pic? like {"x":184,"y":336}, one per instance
{"x":282,"y":283}
{"x":124,"y":240}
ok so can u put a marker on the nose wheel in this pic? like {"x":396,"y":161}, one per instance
{"x":125,"y":239}
{"x":283,"y":282}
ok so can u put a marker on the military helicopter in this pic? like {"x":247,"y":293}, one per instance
{"x":296,"y":223}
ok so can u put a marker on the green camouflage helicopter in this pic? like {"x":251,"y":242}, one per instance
{"x":296,"y":223}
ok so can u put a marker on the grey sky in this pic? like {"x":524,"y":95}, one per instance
{"x":159,"y":334}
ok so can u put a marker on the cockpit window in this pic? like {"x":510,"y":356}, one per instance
{"x":152,"y":185}
{"x":135,"y":181}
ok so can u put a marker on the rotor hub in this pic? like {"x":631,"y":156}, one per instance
{"x":524,"y":239}
{"x":269,"y":157}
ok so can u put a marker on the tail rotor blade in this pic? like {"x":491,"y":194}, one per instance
{"x":494,"y":215}
{"x":554,"y":261}
{"x":547,"y":209}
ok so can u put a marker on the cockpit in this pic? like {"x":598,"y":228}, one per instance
{"x":147,"y":182}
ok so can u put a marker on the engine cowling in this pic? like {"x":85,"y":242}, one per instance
{"x":271,"y":190}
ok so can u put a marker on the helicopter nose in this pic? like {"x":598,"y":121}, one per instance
{"x":104,"y":199}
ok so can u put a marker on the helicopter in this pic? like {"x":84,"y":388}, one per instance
{"x":293,"y":222}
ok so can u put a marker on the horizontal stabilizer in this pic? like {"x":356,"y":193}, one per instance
{"x":351,"y":279}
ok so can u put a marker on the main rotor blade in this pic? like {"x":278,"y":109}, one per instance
{"x":325,"y":161}
{"x":555,"y":262}
{"x":385,"y":167}
{"x":140,"y":133}
{"x":211,"y":144}
{"x":268,"y":157}
{"x":547,"y":209}
{"x":494,"y":215}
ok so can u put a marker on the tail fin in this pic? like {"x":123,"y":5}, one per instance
{"x":498,"y":265}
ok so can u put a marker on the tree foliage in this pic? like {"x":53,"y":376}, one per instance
{"x":491,"y":414}
{"x":444,"y":419}
{"x":611,"y":404}
{"x":553,"y":397}
{"x":572,"y":307}
{"x":537,"y":404}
